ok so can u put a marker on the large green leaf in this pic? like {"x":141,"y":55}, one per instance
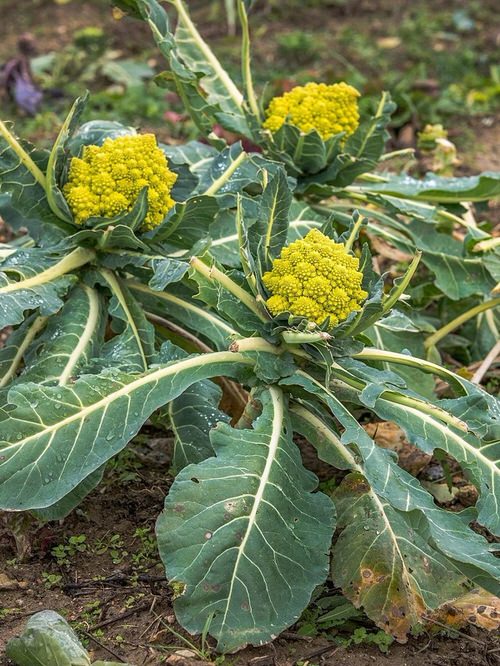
{"x":450,"y":532}
{"x":57,"y":161}
{"x":268,"y":235}
{"x":133,"y":348}
{"x":66,"y":504}
{"x":244,"y":534}
{"x":477,"y":448}
{"x":439,"y":189}
{"x":53,"y":437}
{"x":192,"y":416}
{"x":381,"y":560}
{"x":31,"y":279}
{"x":202,"y":83}
{"x":188,"y":222}
{"x":225,"y":246}
{"x":26,"y":204}
{"x":397,"y":331}
{"x":94,"y":133}
{"x":70,"y":341}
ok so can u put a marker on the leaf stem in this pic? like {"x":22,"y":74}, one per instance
{"x":255,"y":344}
{"x":354,"y":232}
{"x":392,"y":298}
{"x":75,"y":259}
{"x":214,"y":274}
{"x":246,"y":70}
{"x":373,"y":354}
{"x":404,"y":152}
{"x":222,"y":180}
{"x":458,"y":321}
{"x":400,"y":399}
{"x":23,"y":155}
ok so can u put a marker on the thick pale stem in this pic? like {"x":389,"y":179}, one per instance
{"x":246,"y":70}
{"x":214,"y":274}
{"x":392,"y":299}
{"x":305,"y":337}
{"x":486,"y":245}
{"x":23,"y":155}
{"x":255,"y":344}
{"x":75,"y":259}
{"x":355,"y":230}
{"x":222,"y":180}
{"x":372,"y":354}
{"x":404,"y":152}
{"x":399,"y":399}
{"x":458,"y":321}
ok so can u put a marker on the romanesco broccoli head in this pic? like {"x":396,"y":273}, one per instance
{"x":329,"y":109}
{"x":107,"y":179}
{"x":316,"y":278}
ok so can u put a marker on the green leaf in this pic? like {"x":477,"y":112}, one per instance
{"x":13,"y":350}
{"x":57,"y":160}
{"x":189,"y":161}
{"x":384,"y":560}
{"x":458,"y":274}
{"x":244,"y":534}
{"x":438,"y":189}
{"x":133,"y":348}
{"x":51,"y":438}
{"x":158,"y":270}
{"x":227,"y":304}
{"x":202,"y":83}
{"x":361,"y":152}
{"x":397,"y":331}
{"x":65,"y":506}
{"x":468,"y":551}
{"x":187,"y":223}
{"x":70,"y":340}
{"x":179,"y":304}
{"x":26,"y":204}
{"x":36,"y":279}
{"x":47,"y":640}
{"x":192,"y":416}
{"x":225,"y":247}
{"x":95,"y":132}
{"x":268,"y":235}
{"x":428,"y":433}
{"x":197,"y":56}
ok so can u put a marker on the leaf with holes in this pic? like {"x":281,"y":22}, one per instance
{"x":243,"y":533}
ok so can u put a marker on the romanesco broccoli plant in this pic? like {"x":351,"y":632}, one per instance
{"x":328,"y":109}
{"x":107,"y":179}
{"x":315,"y":277}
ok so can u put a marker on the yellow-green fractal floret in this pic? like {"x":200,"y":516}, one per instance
{"x":327,"y":109}
{"x":107,"y":179}
{"x":316,"y":278}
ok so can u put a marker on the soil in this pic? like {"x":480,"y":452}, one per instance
{"x":112,"y":587}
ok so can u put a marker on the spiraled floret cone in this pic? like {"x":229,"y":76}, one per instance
{"x":107,"y":180}
{"x":315,"y":278}
{"x":328,"y":109}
